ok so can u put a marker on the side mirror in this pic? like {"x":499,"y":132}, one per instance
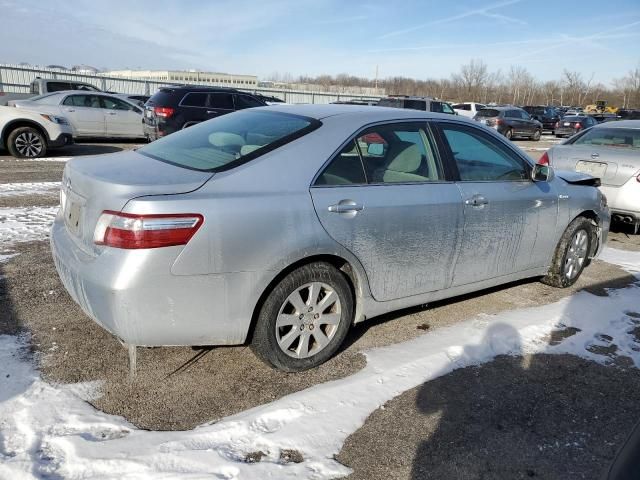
{"x":542,"y":173}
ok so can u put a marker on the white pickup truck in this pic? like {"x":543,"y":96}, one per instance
{"x":41,"y":86}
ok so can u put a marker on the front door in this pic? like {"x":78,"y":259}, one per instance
{"x":509,"y":220}
{"x":85,"y":115}
{"x":384,"y":197}
{"x":121,"y":118}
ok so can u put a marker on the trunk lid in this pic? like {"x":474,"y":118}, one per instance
{"x":91,"y":185}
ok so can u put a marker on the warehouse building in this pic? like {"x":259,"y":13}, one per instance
{"x":188,"y":76}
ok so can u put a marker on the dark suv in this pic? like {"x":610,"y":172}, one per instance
{"x":511,"y":122}
{"x":174,"y":108}
{"x":426,"y":104}
{"x":547,"y":116}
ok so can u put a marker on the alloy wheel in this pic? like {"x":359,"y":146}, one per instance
{"x":576,"y":254}
{"x":308,"y":320}
{"x":28,"y":144}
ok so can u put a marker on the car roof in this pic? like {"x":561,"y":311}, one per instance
{"x":620,"y":124}
{"x":200,"y":88}
{"x":370,"y":112}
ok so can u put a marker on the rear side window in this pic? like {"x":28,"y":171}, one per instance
{"x":487,"y":113}
{"x":463,"y":106}
{"x":345,"y":169}
{"x":229,"y":140}
{"x":415,"y":104}
{"x":89,"y":101}
{"x":611,"y":137}
{"x":391,"y":102}
{"x":221,"y":100}
{"x":194,"y":99}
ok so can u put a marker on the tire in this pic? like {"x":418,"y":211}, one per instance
{"x":573,"y":249}
{"x":284,"y":332}
{"x":536,"y":136}
{"x":559,"y":136}
{"x":509,"y":134}
{"x":26,"y":142}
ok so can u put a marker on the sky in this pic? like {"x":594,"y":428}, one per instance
{"x":419,"y":39}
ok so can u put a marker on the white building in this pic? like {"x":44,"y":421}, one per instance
{"x":188,"y":76}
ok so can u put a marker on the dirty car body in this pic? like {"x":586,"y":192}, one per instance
{"x":409,"y":206}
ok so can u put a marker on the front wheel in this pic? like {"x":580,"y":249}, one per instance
{"x":509,"y":134}
{"x":572,"y":254}
{"x":304,"y":319}
{"x":26,"y":142}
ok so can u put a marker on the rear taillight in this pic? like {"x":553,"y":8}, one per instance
{"x":164,"y":112}
{"x":130,"y":231}
{"x":544,"y":159}
{"x":557,"y":125}
{"x":578,"y":126}
{"x":498,"y":121}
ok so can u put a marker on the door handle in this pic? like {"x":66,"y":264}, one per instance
{"x":476,"y":201}
{"x":595,"y":155}
{"x":346,"y":206}
{"x":70,"y":109}
{"x":212,"y":111}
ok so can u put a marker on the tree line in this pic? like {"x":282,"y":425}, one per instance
{"x":474,"y":82}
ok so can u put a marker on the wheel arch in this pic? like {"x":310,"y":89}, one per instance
{"x":352,"y":275}
{"x":12,"y":125}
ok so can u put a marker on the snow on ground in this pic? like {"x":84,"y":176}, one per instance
{"x":30,"y":188}
{"x":25,"y":224}
{"x":49,"y":430}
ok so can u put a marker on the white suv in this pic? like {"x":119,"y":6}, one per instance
{"x":468,"y":109}
{"x":29,"y":134}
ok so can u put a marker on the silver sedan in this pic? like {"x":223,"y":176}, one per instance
{"x":609,"y":151}
{"x":285,"y":225}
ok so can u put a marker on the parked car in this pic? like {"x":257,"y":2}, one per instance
{"x":42,"y":86}
{"x":626,"y":114}
{"x":468,"y":109}
{"x":287,"y":224}
{"x":572,"y":124}
{"x":547,"y":116}
{"x":175,"y":108}
{"x":27,"y":134}
{"x":426,"y":104}
{"x":91,"y":114}
{"x":574,"y":111}
{"x":610,"y":152}
{"x":511,"y":122}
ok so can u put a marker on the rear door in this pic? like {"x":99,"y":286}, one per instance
{"x":194,"y":108}
{"x":509,"y":220}
{"x":121,"y":118}
{"x":85,"y":113}
{"x":385,"y":198}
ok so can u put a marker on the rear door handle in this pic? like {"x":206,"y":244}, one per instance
{"x":476,"y":201}
{"x":212,"y":111}
{"x":346,"y":206}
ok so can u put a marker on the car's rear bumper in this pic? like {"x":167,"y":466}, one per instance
{"x":565,"y":131}
{"x":624,"y":200}
{"x":134,"y":295}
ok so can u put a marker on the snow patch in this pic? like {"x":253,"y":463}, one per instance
{"x":49,"y":430}
{"x":35,"y":188}
{"x":25,"y":224}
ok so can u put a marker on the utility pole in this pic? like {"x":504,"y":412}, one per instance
{"x":376,"y":84}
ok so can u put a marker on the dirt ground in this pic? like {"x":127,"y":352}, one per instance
{"x":179,"y":388}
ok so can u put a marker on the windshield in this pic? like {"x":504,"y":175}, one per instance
{"x":611,"y":137}
{"x":488,"y":112}
{"x":229,"y":140}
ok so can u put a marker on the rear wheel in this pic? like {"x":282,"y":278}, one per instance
{"x":572,"y":254}
{"x":26,"y":142}
{"x":304,"y":319}
{"x":536,"y":135}
{"x":509,"y":134}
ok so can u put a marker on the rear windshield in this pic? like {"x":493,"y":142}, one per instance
{"x":488,"y":112}
{"x":535,"y":110}
{"x":572,"y":118}
{"x":46,"y":99}
{"x":611,"y":137}
{"x":164,"y":98}
{"x":229,"y":140}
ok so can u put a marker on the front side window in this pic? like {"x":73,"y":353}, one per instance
{"x":481,"y":158}
{"x":246,"y":101}
{"x":229,"y":140}
{"x":611,"y":137}
{"x":115,"y":104}
{"x":223,"y":101}
{"x":446,"y":108}
{"x":393,"y":153}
